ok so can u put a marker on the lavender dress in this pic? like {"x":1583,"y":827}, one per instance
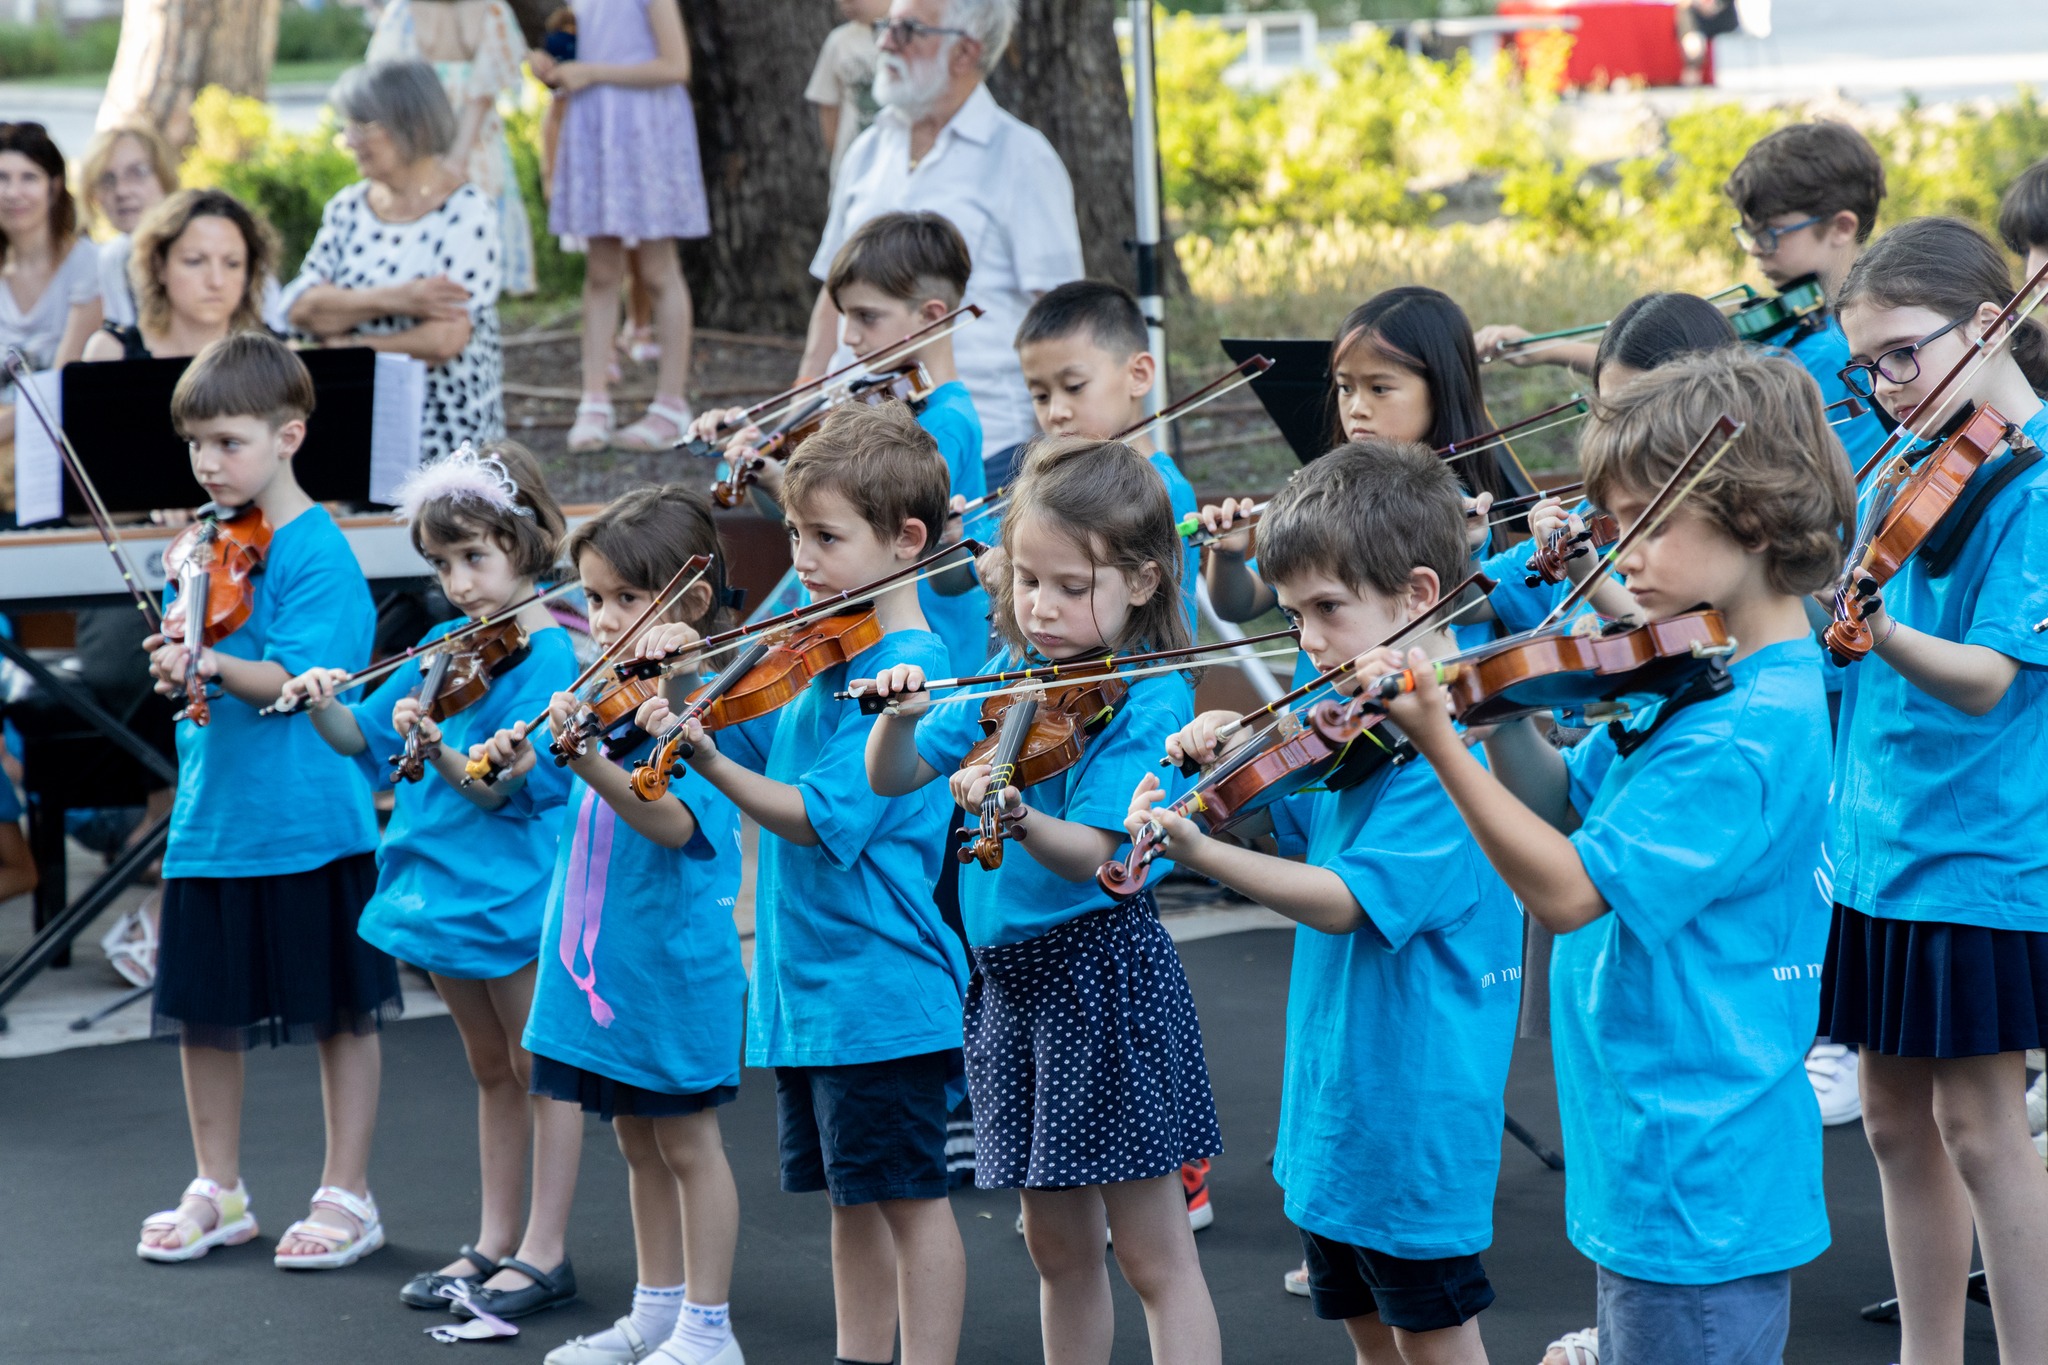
{"x":628,"y":164}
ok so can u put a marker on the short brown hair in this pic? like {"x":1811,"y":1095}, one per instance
{"x":648,"y":534}
{"x":1368,"y":514}
{"x":1783,"y":489}
{"x":529,"y":539}
{"x":101,"y":150}
{"x":908,"y":256}
{"x":881,"y":461}
{"x":248,"y":374}
{"x":1817,"y":168}
{"x":2023,"y":212}
{"x":1109,"y":500}
{"x":160,"y":230}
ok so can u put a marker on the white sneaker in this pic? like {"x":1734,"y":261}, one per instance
{"x":2037,"y":1104}
{"x":589,"y":1351}
{"x":1832,"y":1069}
{"x":1295,"y":1281}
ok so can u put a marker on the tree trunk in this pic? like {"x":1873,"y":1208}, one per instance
{"x":764,"y":162}
{"x":1064,"y":76}
{"x":172,"y":49}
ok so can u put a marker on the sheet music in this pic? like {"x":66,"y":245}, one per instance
{"x":38,"y":464}
{"x":396,"y":406}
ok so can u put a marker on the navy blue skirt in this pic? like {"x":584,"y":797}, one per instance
{"x":1084,"y":1056}
{"x":610,"y":1099}
{"x":248,"y":960}
{"x":1915,"y":988}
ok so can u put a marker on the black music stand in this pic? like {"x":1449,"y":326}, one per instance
{"x":1295,"y":391}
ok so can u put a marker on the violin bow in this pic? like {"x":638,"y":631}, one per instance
{"x":1018,"y":688}
{"x":384,"y":667}
{"x":690,"y":573}
{"x":103,"y":522}
{"x":1518,"y":507}
{"x":1231,"y":380}
{"x":1092,"y":667}
{"x":778,"y":405}
{"x":1544,"y":341}
{"x":1931,"y":413}
{"x":1576,"y":405}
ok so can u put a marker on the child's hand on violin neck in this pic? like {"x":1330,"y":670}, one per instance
{"x":708,"y":424}
{"x":1149,"y":805}
{"x":904,"y":683}
{"x":1548,"y":517}
{"x":507,"y":751}
{"x":315,"y":689}
{"x":1420,"y":706}
{"x":667,"y":639}
{"x":167,"y":664}
{"x":407,"y":714}
{"x":970,"y":785}
{"x":1197,"y":739}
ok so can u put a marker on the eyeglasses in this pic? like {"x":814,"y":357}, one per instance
{"x":139,"y":173}
{"x":907,"y":31}
{"x":1900,"y":365}
{"x":353,"y":131}
{"x":1763,"y":241}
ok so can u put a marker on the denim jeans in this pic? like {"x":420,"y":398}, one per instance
{"x":1735,"y":1322}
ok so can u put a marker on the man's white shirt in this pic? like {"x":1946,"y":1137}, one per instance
{"x":1005,"y":188}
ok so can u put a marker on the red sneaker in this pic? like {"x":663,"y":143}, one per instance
{"x":1194,"y":1183}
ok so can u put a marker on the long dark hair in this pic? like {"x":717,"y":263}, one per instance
{"x":32,"y":140}
{"x":648,"y":533}
{"x":1946,"y":266}
{"x":1425,"y":331}
{"x":1657,"y":329}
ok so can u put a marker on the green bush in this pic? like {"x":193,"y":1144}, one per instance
{"x":30,"y":50}
{"x":557,"y":273}
{"x":287,"y":177}
{"x":334,"y":32}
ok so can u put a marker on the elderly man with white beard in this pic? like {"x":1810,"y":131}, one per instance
{"x":942,"y":144}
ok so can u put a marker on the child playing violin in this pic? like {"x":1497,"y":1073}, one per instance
{"x":1082,"y":347}
{"x":858,"y":980}
{"x":258,"y":933}
{"x":1403,"y":995}
{"x":1674,"y":856}
{"x":1402,"y":368}
{"x":898,"y":274}
{"x":1937,"y":965}
{"x":1093,"y":1127}
{"x":637,"y":1005}
{"x":462,"y":874}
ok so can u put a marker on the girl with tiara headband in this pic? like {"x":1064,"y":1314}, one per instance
{"x":462,"y":875}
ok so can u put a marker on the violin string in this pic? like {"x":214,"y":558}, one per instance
{"x":103,"y":521}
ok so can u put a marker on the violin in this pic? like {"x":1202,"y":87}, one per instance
{"x":454,"y":680}
{"x":911,"y":384}
{"x":771,"y":672}
{"x":1762,"y":321}
{"x":1903,"y":520}
{"x":1296,"y":752}
{"x":214,"y":561}
{"x":1029,"y":738}
{"x":1562,"y":546}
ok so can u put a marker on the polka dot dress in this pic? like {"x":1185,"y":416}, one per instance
{"x":1084,"y":1056}
{"x":356,"y":249}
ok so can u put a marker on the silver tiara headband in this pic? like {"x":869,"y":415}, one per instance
{"x":462,"y":477}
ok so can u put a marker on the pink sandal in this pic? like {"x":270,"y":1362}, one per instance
{"x":593,"y":429}
{"x":233,"y":1224}
{"x":645,"y":435}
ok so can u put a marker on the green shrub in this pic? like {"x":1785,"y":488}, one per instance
{"x":30,"y":50}
{"x":557,"y":273}
{"x":287,"y":177}
{"x":334,"y":32}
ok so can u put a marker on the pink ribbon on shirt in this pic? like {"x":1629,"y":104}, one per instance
{"x":590,"y":857}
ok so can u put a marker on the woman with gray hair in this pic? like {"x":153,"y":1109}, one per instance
{"x":408,"y":258}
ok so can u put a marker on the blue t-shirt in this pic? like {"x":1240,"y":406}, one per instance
{"x":459,"y":888}
{"x":852,"y":960}
{"x":1680,"y":1021}
{"x":261,"y":796}
{"x":642,"y":937}
{"x":1823,"y":354}
{"x":1412,"y":1014}
{"x":1023,"y":899}
{"x":962,"y":622}
{"x":1182,"y":495}
{"x":10,"y":804}
{"x":1939,"y":815}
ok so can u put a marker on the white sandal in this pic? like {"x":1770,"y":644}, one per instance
{"x":593,"y":429}
{"x":642,"y":438}
{"x":345,"y":1246}
{"x":1580,"y":1348}
{"x":130,"y":945}
{"x":233,"y":1224}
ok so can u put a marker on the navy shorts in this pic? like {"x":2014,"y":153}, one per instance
{"x":1347,"y":1281}
{"x":610,"y":1099}
{"x":867,"y":1132}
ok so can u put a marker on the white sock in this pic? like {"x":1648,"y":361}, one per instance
{"x":654,"y":1318}
{"x":701,"y":1332}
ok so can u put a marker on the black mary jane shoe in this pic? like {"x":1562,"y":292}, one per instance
{"x":546,"y":1291}
{"x":424,"y":1290}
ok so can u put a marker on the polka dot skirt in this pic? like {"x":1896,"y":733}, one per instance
{"x":1084,"y":1056}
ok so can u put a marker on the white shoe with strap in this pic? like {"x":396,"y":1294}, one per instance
{"x":233,"y":1223}
{"x":663,"y":426}
{"x":1578,"y":1348}
{"x":593,"y":429}
{"x":344,"y":1246}
{"x":586,"y":1350}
